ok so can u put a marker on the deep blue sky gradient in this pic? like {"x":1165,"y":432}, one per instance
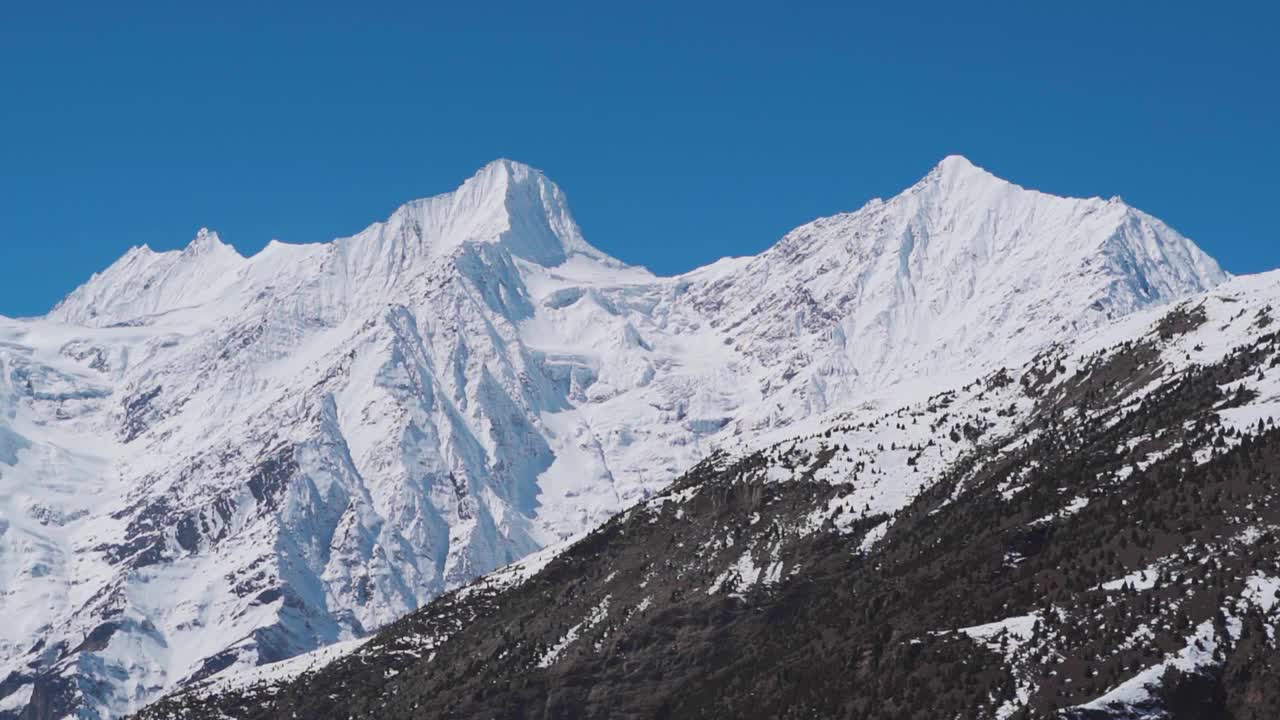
{"x":680,"y":132}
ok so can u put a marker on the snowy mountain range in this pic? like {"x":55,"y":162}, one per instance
{"x":210,"y":462}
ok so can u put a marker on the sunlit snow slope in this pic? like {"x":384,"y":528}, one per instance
{"x":208,"y":462}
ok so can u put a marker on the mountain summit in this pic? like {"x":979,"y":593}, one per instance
{"x":960,"y":270}
{"x":209,"y":462}
{"x":506,"y":203}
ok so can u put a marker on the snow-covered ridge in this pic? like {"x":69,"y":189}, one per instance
{"x":209,"y":462}
{"x":505,"y":203}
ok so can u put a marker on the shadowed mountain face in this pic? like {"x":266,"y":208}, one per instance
{"x":1090,"y":534}
{"x":209,"y":462}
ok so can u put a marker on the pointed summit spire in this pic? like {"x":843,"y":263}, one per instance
{"x":953,"y":164}
{"x":205,"y":241}
{"x":505,"y":202}
{"x":958,"y":169}
{"x":955,"y":177}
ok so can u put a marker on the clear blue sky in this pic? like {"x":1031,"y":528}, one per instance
{"x":681,"y":133}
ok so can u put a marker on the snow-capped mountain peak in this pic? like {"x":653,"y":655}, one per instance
{"x":959,"y":271}
{"x":144,"y":282}
{"x":221,"y":461}
{"x":954,"y":170}
{"x":206,"y":242}
{"x":505,"y":202}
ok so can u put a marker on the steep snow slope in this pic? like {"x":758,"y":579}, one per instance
{"x":960,"y":271}
{"x":208,"y":462}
